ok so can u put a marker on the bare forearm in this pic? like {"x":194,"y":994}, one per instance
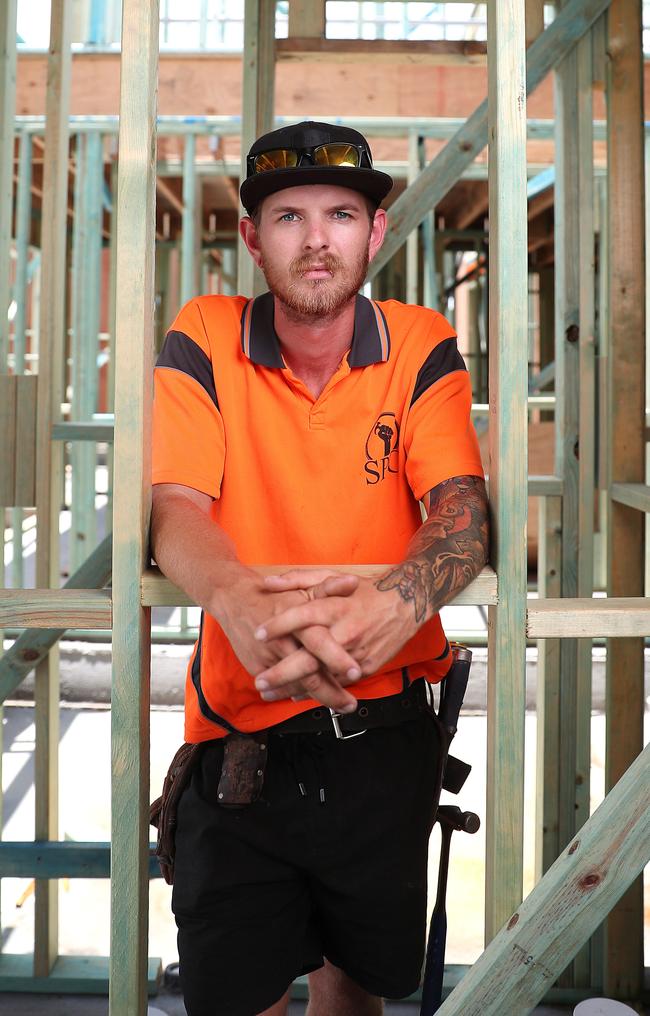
{"x":449,"y":549}
{"x":194,"y":552}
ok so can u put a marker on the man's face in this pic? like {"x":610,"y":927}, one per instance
{"x":313,"y":244}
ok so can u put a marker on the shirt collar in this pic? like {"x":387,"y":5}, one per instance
{"x":260,"y":343}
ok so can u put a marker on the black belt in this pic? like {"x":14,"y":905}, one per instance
{"x":370,"y":713}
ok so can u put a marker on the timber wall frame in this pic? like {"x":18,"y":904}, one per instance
{"x":590,"y":863}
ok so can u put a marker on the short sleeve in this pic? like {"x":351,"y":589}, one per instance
{"x":188,"y":432}
{"x":440,"y":440}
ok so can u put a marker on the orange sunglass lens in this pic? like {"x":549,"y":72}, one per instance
{"x":336,"y":155}
{"x":280,"y":158}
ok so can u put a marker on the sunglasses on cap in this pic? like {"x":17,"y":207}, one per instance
{"x":334,"y":154}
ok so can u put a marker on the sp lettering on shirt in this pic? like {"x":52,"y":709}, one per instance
{"x":382,"y":444}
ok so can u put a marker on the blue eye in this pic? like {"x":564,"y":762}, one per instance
{"x":288,"y":217}
{"x":342,"y":215}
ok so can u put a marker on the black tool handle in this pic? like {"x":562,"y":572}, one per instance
{"x":451,"y":818}
{"x":453,"y":689}
{"x":434,"y":968}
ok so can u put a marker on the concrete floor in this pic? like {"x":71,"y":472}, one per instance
{"x":165,"y":1005}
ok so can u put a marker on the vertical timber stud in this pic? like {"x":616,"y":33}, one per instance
{"x":567,"y":332}
{"x":86,"y":288}
{"x":548,"y":692}
{"x":534,"y":20}
{"x":413,"y":239}
{"x":307,"y":19}
{"x":586,"y":462}
{"x":189,"y":258}
{"x":23,"y":229}
{"x":49,"y":460}
{"x":508,"y":458}
{"x":258,"y":100}
{"x":83,"y":533}
{"x":7,"y":117}
{"x":624,"y":933}
{"x":131,"y":507}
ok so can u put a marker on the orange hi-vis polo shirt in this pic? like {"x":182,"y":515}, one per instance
{"x":332,"y":480}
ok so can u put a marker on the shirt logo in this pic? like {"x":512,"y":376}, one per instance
{"x":381,"y":448}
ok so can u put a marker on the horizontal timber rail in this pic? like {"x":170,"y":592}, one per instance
{"x":441,"y":128}
{"x":545,"y":486}
{"x":439,"y":52}
{"x":598,"y":617}
{"x":158,"y":591}
{"x":69,"y":975}
{"x":90,"y":430}
{"x":55,"y":608}
{"x":604,"y":617}
{"x":534,"y":402}
{"x":61,"y":859}
{"x":634,"y":495}
{"x":33,"y":645}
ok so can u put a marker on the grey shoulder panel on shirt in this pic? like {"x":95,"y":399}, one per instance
{"x":180,"y":352}
{"x":442,"y":360}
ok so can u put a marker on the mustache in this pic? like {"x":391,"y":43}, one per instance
{"x":305,"y":263}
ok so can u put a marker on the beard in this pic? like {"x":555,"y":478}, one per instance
{"x":316,"y":299}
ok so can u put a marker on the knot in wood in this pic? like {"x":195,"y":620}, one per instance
{"x":590,"y":881}
{"x":30,"y":654}
{"x":572,"y":333}
{"x":513,"y":920}
{"x":574,"y":846}
{"x":465,"y":146}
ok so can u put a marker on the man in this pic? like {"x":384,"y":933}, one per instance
{"x":302,"y":428}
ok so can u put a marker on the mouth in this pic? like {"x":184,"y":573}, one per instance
{"x":317,"y":272}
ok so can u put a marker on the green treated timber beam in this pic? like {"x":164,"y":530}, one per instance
{"x":585,"y":617}
{"x":70,"y":975}
{"x":545,"y":486}
{"x":565,"y":907}
{"x":65,"y":859}
{"x":91,"y":430}
{"x":67,"y":608}
{"x":33,"y":646}
{"x":543,"y":378}
{"x":439,"y":176}
{"x":158,"y":591}
{"x":134,"y":342}
{"x":634,"y":495}
{"x":7,"y":110}
{"x":438,"y":127}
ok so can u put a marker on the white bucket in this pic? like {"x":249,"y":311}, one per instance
{"x":603,"y":1007}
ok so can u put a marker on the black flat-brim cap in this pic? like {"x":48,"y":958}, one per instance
{"x":310,"y":134}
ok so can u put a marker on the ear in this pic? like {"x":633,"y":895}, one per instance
{"x":377,"y":232}
{"x":248,"y":233}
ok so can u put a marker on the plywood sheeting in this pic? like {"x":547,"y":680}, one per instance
{"x":204,"y":84}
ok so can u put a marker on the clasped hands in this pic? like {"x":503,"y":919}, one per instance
{"x":328,"y":630}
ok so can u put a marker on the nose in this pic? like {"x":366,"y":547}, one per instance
{"x":315,"y":237}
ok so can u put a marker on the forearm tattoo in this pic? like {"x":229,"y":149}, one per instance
{"x":449,"y":549}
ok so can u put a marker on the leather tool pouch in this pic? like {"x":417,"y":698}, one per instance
{"x":163,"y":811}
{"x":242,"y":772}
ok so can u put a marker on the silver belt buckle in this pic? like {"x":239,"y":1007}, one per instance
{"x":340,"y":736}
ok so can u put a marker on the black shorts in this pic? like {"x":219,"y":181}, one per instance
{"x":331,"y":861}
